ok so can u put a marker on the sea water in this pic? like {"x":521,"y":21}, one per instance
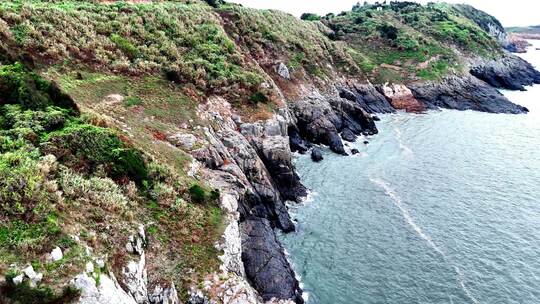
{"x":438,"y":208}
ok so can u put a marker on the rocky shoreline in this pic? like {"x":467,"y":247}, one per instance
{"x":252,"y":162}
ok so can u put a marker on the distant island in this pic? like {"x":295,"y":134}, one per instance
{"x":519,"y":35}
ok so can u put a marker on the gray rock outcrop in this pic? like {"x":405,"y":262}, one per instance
{"x":266,"y":266}
{"x":463,"y":93}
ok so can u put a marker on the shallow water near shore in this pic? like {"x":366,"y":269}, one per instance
{"x":438,"y":208}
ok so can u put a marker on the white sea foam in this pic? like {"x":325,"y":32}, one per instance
{"x":305,"y":296}
{"x":396,"y":199}
{"x":310,"y":197}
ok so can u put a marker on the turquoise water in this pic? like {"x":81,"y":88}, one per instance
{"x":438,"y":208}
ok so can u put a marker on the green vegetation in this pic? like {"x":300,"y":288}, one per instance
{"x":60,"y":174}
{"x":184,"y":40}
{"x":138,"y":72}
{"x":419,"y":41}
{"x":218,"y":47}
{"x":24,"y":293}
{"x":132,"y":101}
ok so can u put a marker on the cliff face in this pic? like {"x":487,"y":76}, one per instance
{"x":181,"y":99}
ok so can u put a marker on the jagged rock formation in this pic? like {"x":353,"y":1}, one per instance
{"x":367,"y":96}
{"x":320,"y":119}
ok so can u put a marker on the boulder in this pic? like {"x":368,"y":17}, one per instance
{"x":184,"y":141}
{"x":283,"y":71}
{"x":162,"y":295}
{"x":316,"y":155}
{"x":56,"y":254}
{"x":354,"y":151}
{"x":33,"y":276}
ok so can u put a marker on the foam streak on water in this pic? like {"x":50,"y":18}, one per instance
{"x":396,"y":199}
{"x":398,"y":203}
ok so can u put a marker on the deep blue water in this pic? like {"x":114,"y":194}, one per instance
{"x":438,"y":208}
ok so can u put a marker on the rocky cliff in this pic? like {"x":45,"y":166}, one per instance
{"x":195,"y":111}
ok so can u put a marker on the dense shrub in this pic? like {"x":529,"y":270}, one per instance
{"x":24,"y":293}
{"x":19,"y":86}
{"x":125,"y":46}
{"x":258,"y":97}
{"x":310,"y":17}
{"x":90,"y":147}
{"x":23,"y":191}
{"x":214,"y":3}
{"x":388,"y":31}
{"x":201,"y":195}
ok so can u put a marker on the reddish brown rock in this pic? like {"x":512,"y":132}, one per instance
{"x":402,"y":98}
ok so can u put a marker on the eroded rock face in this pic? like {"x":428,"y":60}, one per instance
{"x":266,"y":266}
{"x":509,"y":72}
{"x":463,"y":93}
{"x":252,"y":166}
{"x":297,"y":143}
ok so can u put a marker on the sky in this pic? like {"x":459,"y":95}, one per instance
{"x":510,"y":13}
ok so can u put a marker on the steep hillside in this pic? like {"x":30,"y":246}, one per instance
{"x":146,"y":145}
